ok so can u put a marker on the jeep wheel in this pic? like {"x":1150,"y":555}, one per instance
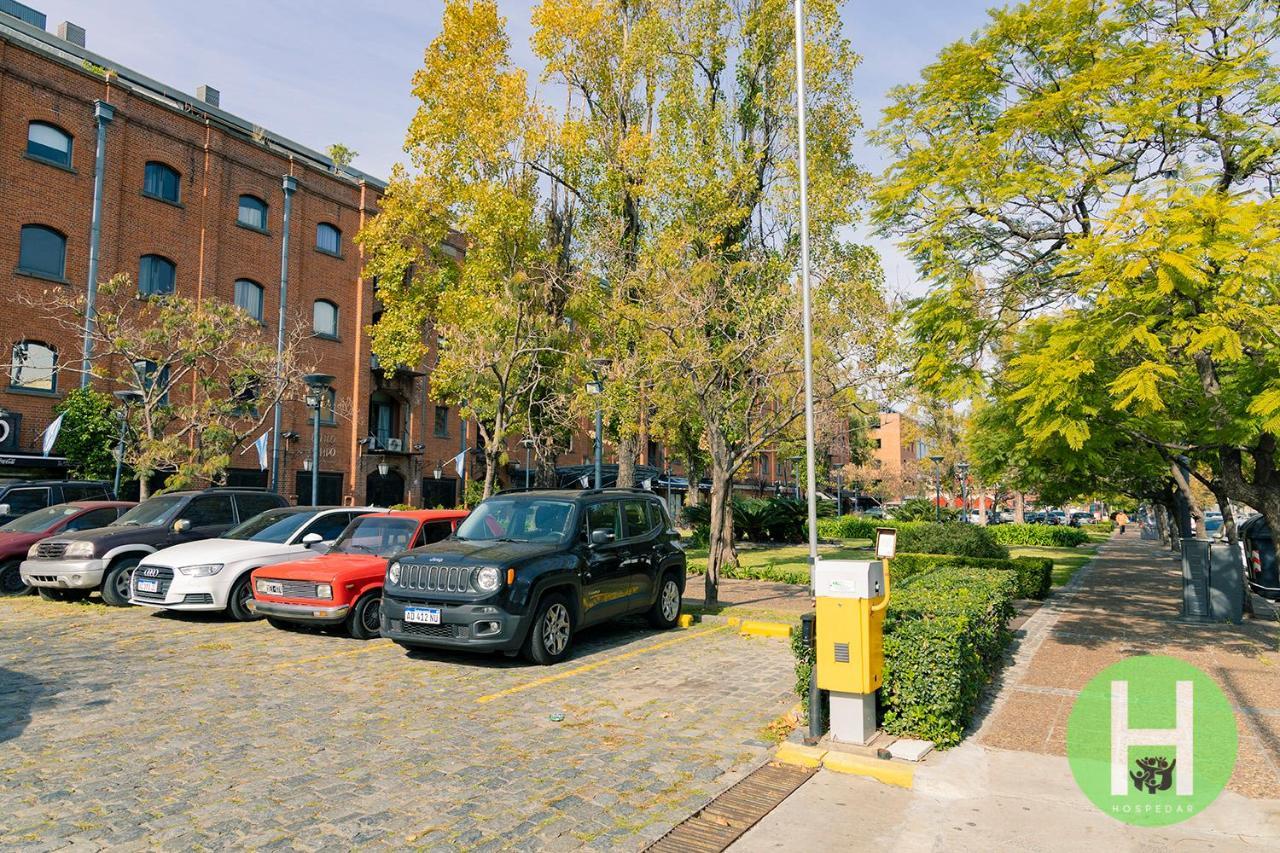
{"x":238,"y":601}
{"x":365,"y":621}
{"x":665,"y":612}
{"x":11,"y":582}
{"x":551,"y":636}
{"x":115,"y":583}
{"x":49,"y":593}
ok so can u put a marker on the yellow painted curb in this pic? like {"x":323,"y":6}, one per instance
{"x":766,"y":629}
{"x":686,"y":619}
{"x":732,"y":621}
{"x":888,"y":772}
{"x":799,"y":755}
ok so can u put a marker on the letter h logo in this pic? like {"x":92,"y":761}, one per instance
{"x":1181,"y":738}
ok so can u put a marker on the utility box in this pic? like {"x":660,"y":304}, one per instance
{"x":850,"y":648}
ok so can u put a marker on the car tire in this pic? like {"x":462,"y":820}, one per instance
{"x":551,"y":634}
{"x":11,"y":582}
{"x":238,"y":600}
{"x":115,"y":583}
{"x":665,"y":612}
{"x":365,"y":621}
{"x":49,"y":593}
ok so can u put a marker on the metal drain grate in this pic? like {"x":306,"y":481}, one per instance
{"x":728,"y":816}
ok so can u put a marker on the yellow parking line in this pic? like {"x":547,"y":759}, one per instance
{"x":587,"y":667}
{"x":369,"y":646}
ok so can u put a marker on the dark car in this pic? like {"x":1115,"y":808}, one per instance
{"x":1260,"y":558}
{"x":526,"y":570}
{"x":70,"y":566}
{"x":19,"y":497}
{"x":19,"y":535}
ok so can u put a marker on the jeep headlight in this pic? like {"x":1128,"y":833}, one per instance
{"x":324,"y":590}
{"x":79,"y":550}
{"x":31,"y":552}
{"x":393,"y":572}
{"x":488,"y":579}
{"x":202,"y":571}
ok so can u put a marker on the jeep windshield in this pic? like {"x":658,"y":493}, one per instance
{"x":380,"y":536}
{"x":274,"y":525}
{"x":153,"y":513}
{"x":519,"y":520}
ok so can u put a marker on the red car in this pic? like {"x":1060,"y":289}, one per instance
{"x":17,"y":537}
{"x":344,"y":585}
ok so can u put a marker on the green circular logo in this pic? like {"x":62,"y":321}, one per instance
{"x":1152,"y":740}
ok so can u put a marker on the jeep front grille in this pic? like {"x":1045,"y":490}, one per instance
{"x":51,"y":550}
{"x":446,"y":631}
{"x":422,"y":578}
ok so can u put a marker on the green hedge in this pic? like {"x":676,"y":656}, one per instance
{"x":944,"y":635}
{"x":857,"y":526}
{"x":766,"y":573}
{"x":1043,"y":535}
{"x":1034,"y":574}
{"x":1105,"y":526}
{"x":962,"y":540}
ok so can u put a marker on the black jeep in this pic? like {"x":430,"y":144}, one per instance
{"x":528,"y":569}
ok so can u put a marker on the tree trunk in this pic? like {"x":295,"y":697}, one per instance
{"x":490,"y":469}
{"x":1019,"y":508}
{"x":721,"y":551}
{"x":694,"y":475}
{"x":1233,"y":538}
{"x":627,"y":462}
{"x":1194,"y":512}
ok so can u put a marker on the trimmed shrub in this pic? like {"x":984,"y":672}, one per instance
{"x":1099,"y":527}
{"x":777,"y":574}
{"x":944,"y":635}
{"x":1041,"y":535}
{"x":805,"y":660}
{"x":1035,"y":576}
{"x":857,"y":527}
{"x":962,"y":540}
{"x":922,"y":509}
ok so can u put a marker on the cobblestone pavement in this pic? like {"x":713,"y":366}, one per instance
{"x":139,"y":730}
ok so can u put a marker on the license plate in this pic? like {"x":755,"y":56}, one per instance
{"x":271,"y":587}
{"x":422,"y":615}
{"x":148,"y":586}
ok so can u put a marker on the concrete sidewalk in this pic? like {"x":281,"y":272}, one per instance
{"x":1010,"y":786}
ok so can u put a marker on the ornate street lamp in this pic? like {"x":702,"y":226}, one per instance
{"x":318,"y":387}
{"x":127,"y":399}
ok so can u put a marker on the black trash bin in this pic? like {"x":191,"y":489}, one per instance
{"x":1260,"y":555}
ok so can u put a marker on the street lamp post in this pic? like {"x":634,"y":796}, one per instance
{"x":528,"y":449}
{"x":596,"y":388}
{"x":962,"y":468}
{"x":318,"y":386}
{"x":839,"y":493}
{"x":937,"y":488}
{"x":127,"y":399}
{"x":667,"y":475}
{"x":795,"y":471}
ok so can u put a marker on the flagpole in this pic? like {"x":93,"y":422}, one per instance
{"x":810,"y":466}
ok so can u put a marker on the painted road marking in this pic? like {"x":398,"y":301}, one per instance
{"x":587,"y":667}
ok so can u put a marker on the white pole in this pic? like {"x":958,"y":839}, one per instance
{"x":804,"y":287}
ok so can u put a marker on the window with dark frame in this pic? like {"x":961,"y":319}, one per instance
{"x":34,"y":367}
{"x":252,"y":212}
{"x":441,"y":422}
{"x":249,"y":298}
{"x":325,"y":318}
{"x":328,"y":239}
{"x":49,"y":142}
{"x":156,"y":275}
{"x":43,"y":251}
{"x":162,"y":182}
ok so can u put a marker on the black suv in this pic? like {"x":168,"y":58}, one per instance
{"x":70,"y":565}
{"x":19,"y":497}
{"x":528,"y":569}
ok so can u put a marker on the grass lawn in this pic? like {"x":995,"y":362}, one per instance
{"x":1066,"y":561}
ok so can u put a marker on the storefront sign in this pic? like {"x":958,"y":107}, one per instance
{"x":10,"y":432}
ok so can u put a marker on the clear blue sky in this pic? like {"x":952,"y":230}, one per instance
{"x":320,"y":71}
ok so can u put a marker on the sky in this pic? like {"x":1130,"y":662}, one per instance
{"x":320,"y":71}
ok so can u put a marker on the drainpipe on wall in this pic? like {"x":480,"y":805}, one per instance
{"x":290,"y":184}
{"x":104,"y":113}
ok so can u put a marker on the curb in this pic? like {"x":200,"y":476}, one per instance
{"x":886,"y":772}
{"x":757,"y":628}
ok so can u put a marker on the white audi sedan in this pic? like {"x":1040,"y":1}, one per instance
{"x":213,"y":574}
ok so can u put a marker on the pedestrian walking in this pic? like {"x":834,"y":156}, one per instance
{"x":1122,"y":519}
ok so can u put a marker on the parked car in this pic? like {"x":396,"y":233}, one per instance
{"x":527,"y":570}
{"x":1035,"y":517}
{"x":17,"y":537}
{"x":69,"y":566}
{"x":1056,"y":516}
{"x":213,"y":574}
{"x":19,"y":497}
{"x":1260,"y":558}
{"x":343,"y":587}
{"x":1079,"y":518}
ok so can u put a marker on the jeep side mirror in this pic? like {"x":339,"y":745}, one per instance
{"x":603,"y":536}
{"x":312,"y":539}
{"x":182,"y":525}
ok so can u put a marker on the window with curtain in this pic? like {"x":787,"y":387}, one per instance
{"x":252,"y":212}
{"x":49,"y":142}
{"x":328,"y":239}
{"x":156,"y":275}
{"x":161,"y":182}
{"x":249,"y":298}
{"x":325,"y":318}
{"x":43,"y":251}
{"x":328,"y":408}
{"x":34,"y":367}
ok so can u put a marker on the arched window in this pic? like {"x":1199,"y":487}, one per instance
{"x":42,"y":251}
{"x":34,"y":367}
{"x":161,"y":182}
{"x":252,"y":212}
{"x":249,"y":298}
{"x":328,"y":239}
{"x":325,"y":319}
{"x":156,"y":276}
{"x":49,"y":142}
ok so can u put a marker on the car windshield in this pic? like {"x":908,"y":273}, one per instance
{"x":519,"y":520}
{"x":41,"y":519}
{"x":379,"y":535}
{"x":274,"y":525}
{"x":153,"y":513}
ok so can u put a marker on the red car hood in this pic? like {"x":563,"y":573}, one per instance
{"x":326,"y":568}
{"x":17,"y":544}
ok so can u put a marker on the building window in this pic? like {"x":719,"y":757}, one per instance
{"x":34,"y":367}
{"x":325,"y":319}
{"x":442,"y":422}
{"x":146,"y":371}
{"x":42,"y":251}
{"x":328,"y":408}
{"x":384,"y":419}
{"x":249,"y":298}
{"x":49,"y":143}
{"x":161,"y":182}
{"x":328,"y":239}
{"x":252,"y":212}
{"x":764,"y":465}
{"x":156,"y":276}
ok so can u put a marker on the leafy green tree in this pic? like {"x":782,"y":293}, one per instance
{"x":89,"y":434}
